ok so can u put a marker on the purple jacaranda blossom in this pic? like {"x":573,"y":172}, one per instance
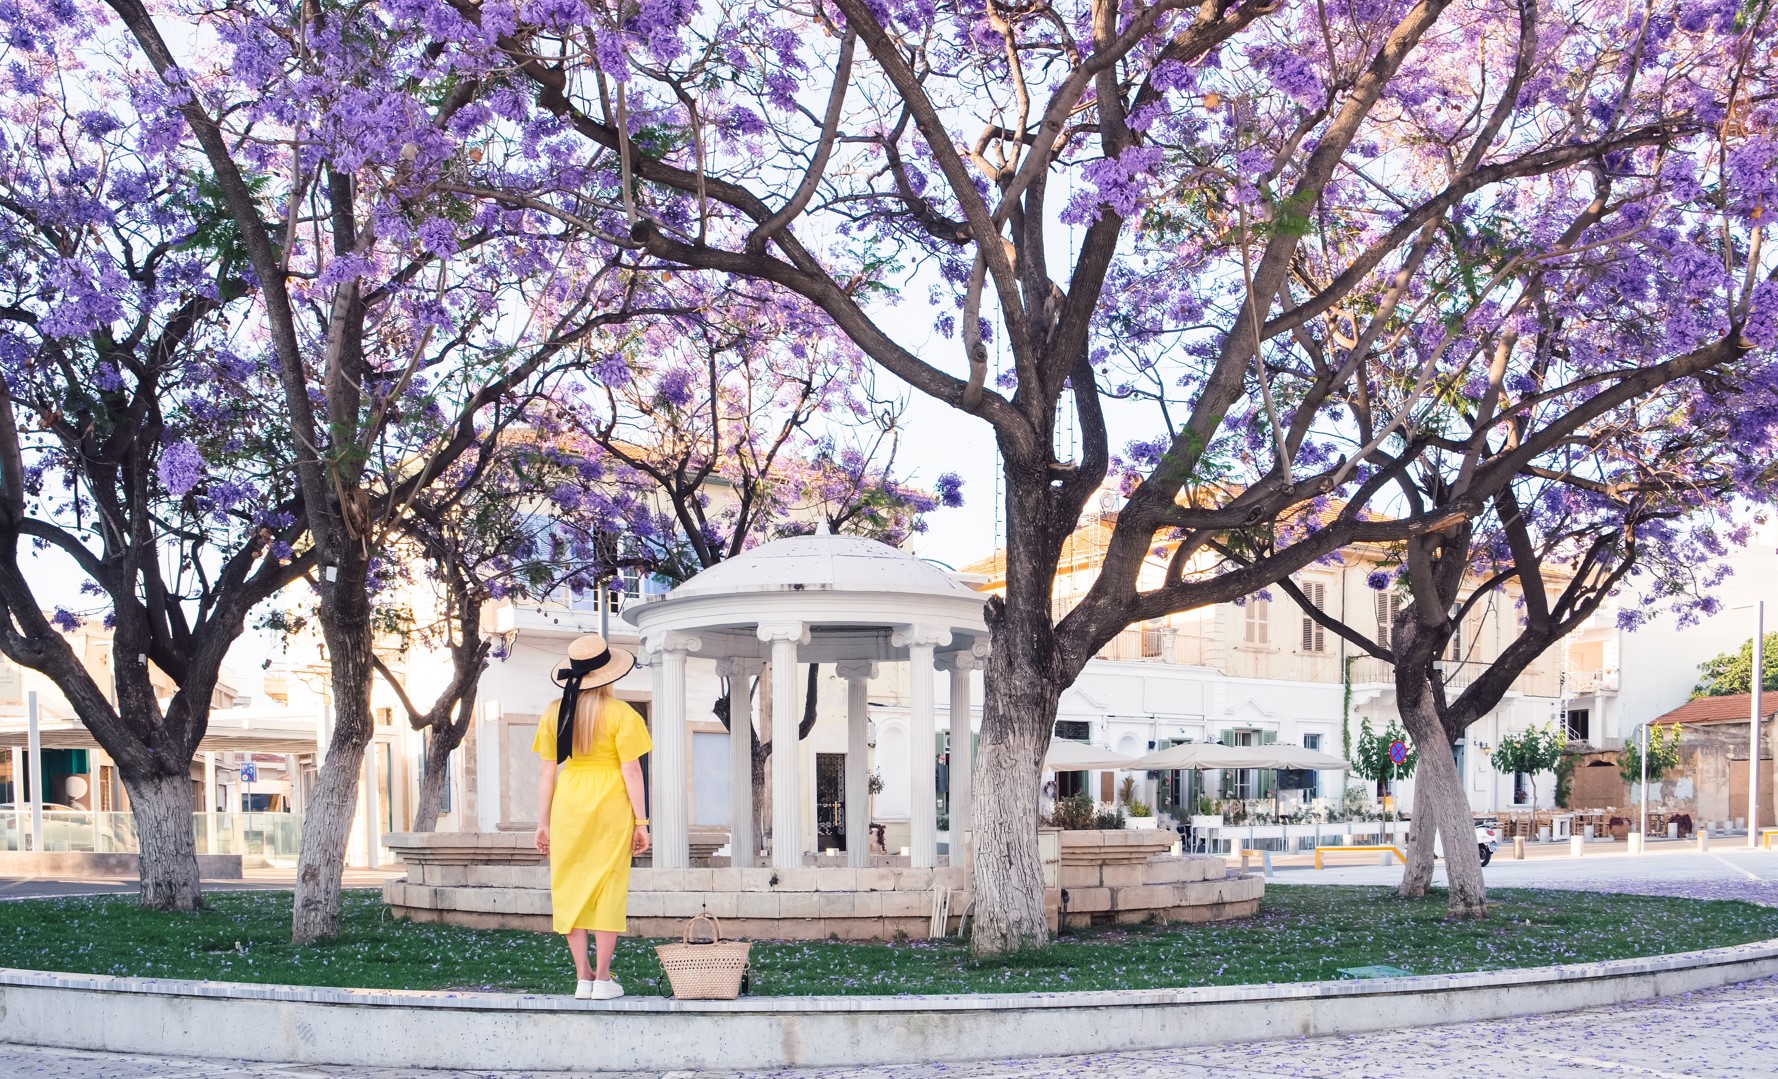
{"x":181,"y":468}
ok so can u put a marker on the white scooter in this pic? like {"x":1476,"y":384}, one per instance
{"x":1486,"y":840}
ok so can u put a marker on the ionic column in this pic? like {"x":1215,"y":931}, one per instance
{"x":672,"y":842}
{"x":857,"y":676}
{"x":921,"y":641}
{"x":742,"y":845}
{"x":961,"y":664}
{"x":787,"y":780}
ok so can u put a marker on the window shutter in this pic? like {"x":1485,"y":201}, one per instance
{"x":1385,"y":618}
{"x":1457,"y":642}
{"x":1228,"y":737}
{"x":1314,"y":634}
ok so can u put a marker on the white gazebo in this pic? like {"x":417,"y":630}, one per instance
{"x":851,"y":602}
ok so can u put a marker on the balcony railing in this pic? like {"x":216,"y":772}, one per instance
{"x":1600,"y":681}
{"x":1157,"y":646}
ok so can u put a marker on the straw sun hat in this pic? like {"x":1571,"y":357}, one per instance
{"x":595,"y":662}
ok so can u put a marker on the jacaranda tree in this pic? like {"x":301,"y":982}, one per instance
{"x":393,"y":311}
{"x":132,"y":435}
{"x":1245,"y":215}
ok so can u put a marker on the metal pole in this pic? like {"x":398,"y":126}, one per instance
{"x":1643,"y":828}
{"x":1753,"y":747}
{"x":34,"y":750}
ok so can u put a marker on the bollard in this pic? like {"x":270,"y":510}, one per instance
{"x":1577,"y":846}
{"x":1672,"y":830}
{"x":1519,"y":846}
{"x":1385,"y":858}
{"x":1703,"y":841}
{"x":1635,"y":842}
{"x":1589,"y":831}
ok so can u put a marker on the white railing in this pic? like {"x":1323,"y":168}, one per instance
{"x":275,"y":834}
{"x":1600,"y":681}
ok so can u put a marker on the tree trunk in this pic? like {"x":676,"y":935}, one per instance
{"x":1438,"y":792}
{"x":1018,"y":710}
{"x":168,"y":862}
{"x":440,"y":744}
{"x":1416,"y":878}
{"x":328,"y":824}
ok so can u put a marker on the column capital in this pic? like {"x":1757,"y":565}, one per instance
{"x":671,"y":641}
{"x":739,"y":667}
{"x":959,"y":661}
{"x":918,"y":635}
{"x":783,"y":631}
{"x":856,"y":669}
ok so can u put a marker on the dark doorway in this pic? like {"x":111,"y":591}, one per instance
{"x":830,"y":801}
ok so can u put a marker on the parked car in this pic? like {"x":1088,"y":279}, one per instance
{"x":1487,"y":841}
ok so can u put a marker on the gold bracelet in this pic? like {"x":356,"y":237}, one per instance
{"x":643,"y":821}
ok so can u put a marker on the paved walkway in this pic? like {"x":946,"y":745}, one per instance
{"x":1721,"y":1034}
{"x":1729,"y":1033}
{"x":1723,"y":873}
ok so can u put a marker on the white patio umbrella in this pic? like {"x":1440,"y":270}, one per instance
{"x":1068,"y":756}
{"x":1201,"y":755}
{"x":1298,"y":757}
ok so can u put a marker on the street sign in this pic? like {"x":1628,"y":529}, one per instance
{"x":1398,"y":751}
{"x":250,"y":773}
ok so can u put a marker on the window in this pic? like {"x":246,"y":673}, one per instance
{"x":1314,"y":634}
{"x":385,"y":717}
{"x":1078,"y":730}
{"x":1153,"y":640}
{"x":1456,"y":654}
{"x":1388,"y":606}
{"x":1521,"y":789}
{"x":1256,"y":621}
{"x":1579,"y":724}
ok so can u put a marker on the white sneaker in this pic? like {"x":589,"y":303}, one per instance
{"x":606,"y":990}
{"x":583,"y":989}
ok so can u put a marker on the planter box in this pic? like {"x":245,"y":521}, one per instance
{"x":1141,"y":823}
{"x":1200,"y":822}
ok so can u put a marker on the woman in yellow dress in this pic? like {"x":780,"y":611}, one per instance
{"x":591,"y":810}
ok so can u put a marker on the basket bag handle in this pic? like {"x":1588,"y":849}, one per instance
{"x":697,"y":919}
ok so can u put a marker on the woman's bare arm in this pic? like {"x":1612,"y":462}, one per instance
{"x":546,"y":794}
{"x":632,"y":771}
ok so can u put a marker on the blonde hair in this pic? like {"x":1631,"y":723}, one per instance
{"x":588,"y":713}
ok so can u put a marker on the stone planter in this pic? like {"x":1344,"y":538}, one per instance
{"x":1140,"y":823}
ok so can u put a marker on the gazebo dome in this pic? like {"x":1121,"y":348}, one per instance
{"x":823,"y":563}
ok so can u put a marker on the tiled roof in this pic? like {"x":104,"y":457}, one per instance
{"x":1736,"y":707}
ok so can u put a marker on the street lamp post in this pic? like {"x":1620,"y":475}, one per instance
{"x":1642,"y":829}
{"x":1759,"y":679}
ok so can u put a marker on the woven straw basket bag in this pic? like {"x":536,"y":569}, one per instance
{"x":704,"y":969}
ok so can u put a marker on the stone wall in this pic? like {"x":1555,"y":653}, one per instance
{"x":491,"y":880}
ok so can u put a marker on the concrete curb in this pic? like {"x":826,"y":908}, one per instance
{"x":491,"y":1031}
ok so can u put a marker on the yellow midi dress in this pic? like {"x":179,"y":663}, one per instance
{"x":590,"y":821}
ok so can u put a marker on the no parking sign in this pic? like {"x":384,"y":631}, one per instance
{"x":1398,"y":751}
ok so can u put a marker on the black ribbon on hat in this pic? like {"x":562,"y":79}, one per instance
{"x":570,"y":677}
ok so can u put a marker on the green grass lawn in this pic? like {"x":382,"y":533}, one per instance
{"x":1302,"y":933}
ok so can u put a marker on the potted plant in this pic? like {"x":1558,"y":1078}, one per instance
{"x":1140,"y":815}
{"x":1209,"y":814}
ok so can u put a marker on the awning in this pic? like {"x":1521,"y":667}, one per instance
{"x":231,"y":730}
{"x":1067,"y":756}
